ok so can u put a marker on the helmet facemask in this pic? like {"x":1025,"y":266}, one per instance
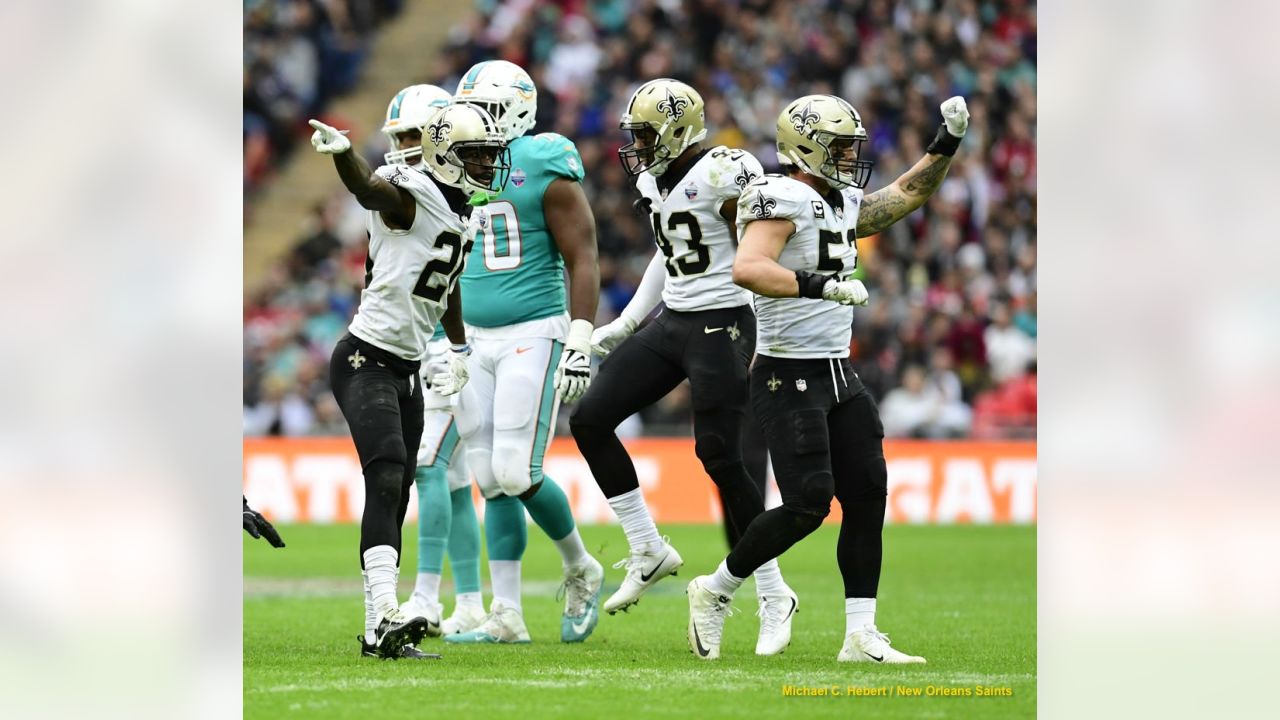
{"x":645,"y":151}
{"x":841,"y":167}
{"x":411,"y":155}
{"x":484,"y":165}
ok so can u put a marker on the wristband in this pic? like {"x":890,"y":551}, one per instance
{"x":944,"y":143}
{"x":464,"y":348}
{"x":811,"y":284}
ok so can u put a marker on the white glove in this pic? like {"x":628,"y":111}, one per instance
{"x":956,"y":115}
{"x":449,"y":378}
{"x":845,"y":292}
{"x":476,"y":224}
{"x":606,"y":339}
{"x":329,"y":140}
{"x":574,"y":372}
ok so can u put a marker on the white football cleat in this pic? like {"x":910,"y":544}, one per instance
{"x":420,"y":606}
{"x":503,"y":625}
{"x":582,"y":585}
{"x":465,"y":618}
{"x":871,"y":645}
{"x":644,"y":570}
{"x":707,"y":611}
{"x":775,"y":615}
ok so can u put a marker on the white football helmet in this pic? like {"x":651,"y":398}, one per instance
{"x":463,"y":147}
{"x":411,"y":109}
{"x":505,"y":90}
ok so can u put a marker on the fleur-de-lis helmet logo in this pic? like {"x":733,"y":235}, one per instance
{"x":673,"y":106}
{"x":802,"y":118}
{"x":763,"y":206}
{"x":439,"y":131}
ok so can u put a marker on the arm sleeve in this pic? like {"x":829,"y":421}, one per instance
{"x":649,"y":292}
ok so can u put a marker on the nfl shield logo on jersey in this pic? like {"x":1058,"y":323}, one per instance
{"x":801,"y":385}
{"x":691,"y":191}
{"x":517,"y":177}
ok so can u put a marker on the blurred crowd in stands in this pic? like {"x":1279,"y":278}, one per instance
{"x":298,"y":55}
{"x":948,"y":342}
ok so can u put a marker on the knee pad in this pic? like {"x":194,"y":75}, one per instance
{"x":384,"y":480}
{"x":481,"y":463}
{"x":511,"y":471}
{"x":711,"y":449}
{"x":584,"y":423}
{"x":870,"y":481}
{"x":459,"y":474}
{"x":816,"y":491}
{"x":806,"y":522}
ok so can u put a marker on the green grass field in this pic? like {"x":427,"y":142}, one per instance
{"x":964,"y":597}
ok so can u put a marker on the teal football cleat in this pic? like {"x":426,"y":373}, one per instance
{"x":582,"y":585}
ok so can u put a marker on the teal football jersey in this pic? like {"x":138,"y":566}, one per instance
{"x":515,"y":273}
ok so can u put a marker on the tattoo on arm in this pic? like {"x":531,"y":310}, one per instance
{"x":887,"y":206}
{"x":881,"y":209}
{"x":924,"y":181}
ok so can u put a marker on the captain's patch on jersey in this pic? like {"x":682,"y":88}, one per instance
{"x":818,"y":211}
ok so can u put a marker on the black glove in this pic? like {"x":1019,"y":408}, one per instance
{"x":258,"y":527}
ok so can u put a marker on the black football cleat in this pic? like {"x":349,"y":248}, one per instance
{"x":396,"y":630}
{"x":407,"y":652}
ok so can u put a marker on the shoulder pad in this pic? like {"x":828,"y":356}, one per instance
{"x":559,"y":154}
{"x":731,"y":170}
{"x":767,"y":199}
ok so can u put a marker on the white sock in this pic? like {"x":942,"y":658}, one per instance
{"x":471,"y":599}
{"x":637,"y":524}
{"x":724,"y":582}
{"x":370,"y":614}
{"x":505,"y":576}
{"x":572,"y":551}
{"x":428,"y":586}
{"x":769,"y":581}
{"x":859,"y":613}
{"x":380,"y":569}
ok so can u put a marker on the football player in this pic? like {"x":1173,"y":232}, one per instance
{"x":419,"y":236}
{"x":446,"y":516}
{"x":706,"y":334}
{"x":797,"y":254}
{"x":530,"y":342}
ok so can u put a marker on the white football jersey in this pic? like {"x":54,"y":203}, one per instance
{"x":409,"y":273}
{"x":691,"y":233}
{"x":824,"y":243}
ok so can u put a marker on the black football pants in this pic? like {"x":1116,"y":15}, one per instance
{"x":825,"y":440}
{"x":712,"y":348}
{"x":381,"y":398}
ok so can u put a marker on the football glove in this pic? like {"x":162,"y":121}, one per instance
{"x":607,"y":338}
{"x":452,"y":375}
{"x":845,"y":292}
{"x":258,"y":527}
{"x":574,"y":372}
{"x":956,"y":116}
{"x":329,"y":140}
